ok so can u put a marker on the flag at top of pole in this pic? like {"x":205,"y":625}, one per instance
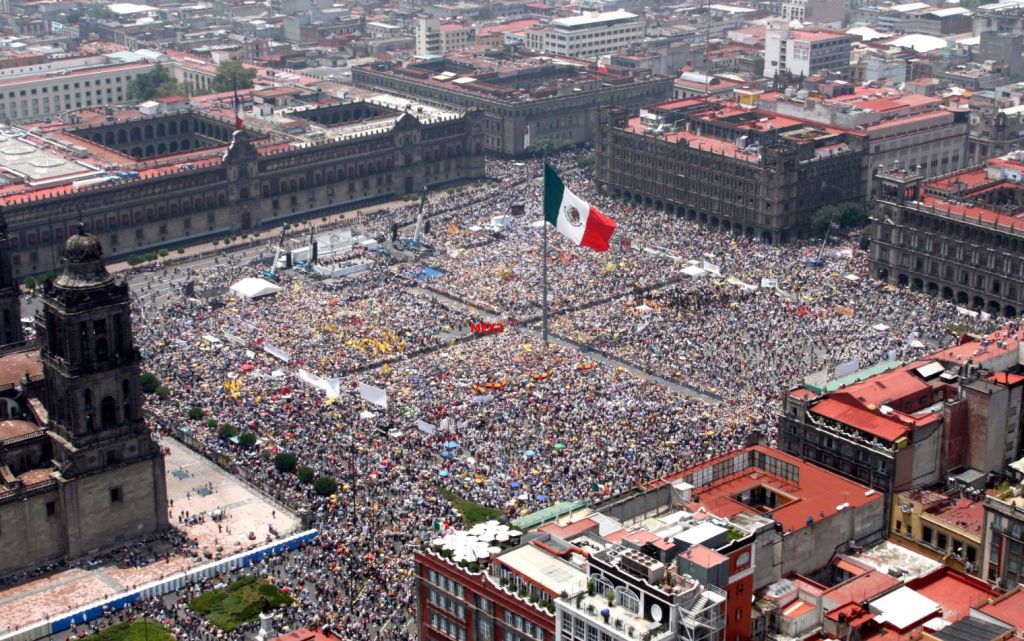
{"x":573,"y":217}
{"x":239,"y":114}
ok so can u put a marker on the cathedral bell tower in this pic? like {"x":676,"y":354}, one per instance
{"x":11,"y":333}
{"x":107,"y":461}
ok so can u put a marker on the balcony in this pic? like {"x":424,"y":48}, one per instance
{"x":616,"y":620}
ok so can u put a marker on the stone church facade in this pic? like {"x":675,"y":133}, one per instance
{"x":80,"y":471}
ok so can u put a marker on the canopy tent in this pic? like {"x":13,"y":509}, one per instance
{"x":252,"y":288}
{"x":692,"y":271}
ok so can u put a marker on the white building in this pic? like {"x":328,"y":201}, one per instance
{"x":434,"y":38}
{"x":37,"y":96}
{"x":590,"y":35}
{"x":802,"y":52}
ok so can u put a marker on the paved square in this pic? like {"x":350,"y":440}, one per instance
{"x":195,"y":487}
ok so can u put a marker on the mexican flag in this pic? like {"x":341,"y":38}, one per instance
{"x":573,"y":217}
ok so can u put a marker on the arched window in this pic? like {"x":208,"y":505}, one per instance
{"x":602,"y":586}
{"x":101,"y":349}
{"x":628,"y":599}
{"x":126,"y":400}
{"x":87,"y":402}
{"x":108,"y":412}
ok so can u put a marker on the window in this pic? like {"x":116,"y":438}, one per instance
{"x":116,"y":495}
{"x":941,"y":542}
{"x":926,"y":535}
{"x":51,"y":508}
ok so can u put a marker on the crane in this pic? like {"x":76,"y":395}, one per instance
{"x":271,"y":274}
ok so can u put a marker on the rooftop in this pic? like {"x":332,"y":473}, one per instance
{"x":550,"y":572}
{"x":1008,"y":608}
{"x":963,"y":514}
{"x":804,"y":491}
{"x":955,"y":592}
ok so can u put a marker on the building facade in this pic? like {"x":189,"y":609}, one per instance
{"x":250,"y":186}
{"x":805,"y":53}
{"x":11,"y":331}
{"x":95,"y":477}
{"x":734,"y":168}
{"x":587,"y":36}
{"x":524,"y":101}
{"x":34,"y":97}
{"x":955,"y":236}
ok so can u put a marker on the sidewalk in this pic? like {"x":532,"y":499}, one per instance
{"x":255,"y":237}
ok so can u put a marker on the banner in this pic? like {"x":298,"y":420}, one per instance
{"x":769,"y":283}
{"x":844,"y":369}
{"x":332,"y":388}
{"x":277,"y":352}
{"x":373,"y":395}
{"x":526,"y":137}
{"x":843,"y":310}
{"x":237,"y":340}
{"x":425,"y":427}
{"x":711,"y":267}
{"x":963,"y":311}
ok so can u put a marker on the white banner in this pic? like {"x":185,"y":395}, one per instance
{"x":332,"y":388}
{"x":277,"y":352}
{"x":963,"y":311}
{"x":425,"y":427}
{"x":373,"y":395}
{"x":849,"y":367}
{"x":711,"y":267}
{"x":769,"y":283}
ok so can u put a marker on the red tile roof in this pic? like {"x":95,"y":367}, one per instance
{"x":1008,"y":608}
{"x":955,"y":592}
{"x":858,"y":417}
{"x":704,"y":557}
{"x":965,"y":514}
{"x":817,"y":492}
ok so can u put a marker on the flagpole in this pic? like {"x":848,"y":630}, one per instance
{"x":544,"y":258}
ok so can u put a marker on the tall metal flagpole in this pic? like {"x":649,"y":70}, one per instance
{"x":544,"y":255}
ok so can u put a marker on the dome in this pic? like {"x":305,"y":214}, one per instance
{"x":82,"y":247}
{"x":83,"y":263}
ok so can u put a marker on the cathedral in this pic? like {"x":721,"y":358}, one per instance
{"x":79,"y":470}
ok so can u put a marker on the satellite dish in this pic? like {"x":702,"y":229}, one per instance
{"x":656,"y":613}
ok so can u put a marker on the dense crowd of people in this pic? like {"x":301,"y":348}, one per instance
{"x":499,"y":419}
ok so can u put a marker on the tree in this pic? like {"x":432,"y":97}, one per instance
{"x":227,"y":431}
{"x":325,"y":486}
{"x":247,"y":440}
{"x":31,"y":282}
{"x":157,"y":83}
{"x":852,"y":216}
{"x":228,"y":73}
{"x":149,"y":382}
{"x":820,"y":220}
{"x":286,"y":462}
{"x":305,"y":474}
{"x":162,"y":392}
{"x":195,"y":413}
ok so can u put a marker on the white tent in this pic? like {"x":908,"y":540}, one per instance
{"x":251,"y":288}
{"x":692,"y":271}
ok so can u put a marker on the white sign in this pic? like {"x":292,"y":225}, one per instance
{"x":373,"y":395}
{"x":769,"y":283}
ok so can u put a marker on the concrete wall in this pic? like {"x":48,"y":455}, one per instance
{"x":100,"y":523}
{"x":811,"y":547}
{"x":28,"y":536}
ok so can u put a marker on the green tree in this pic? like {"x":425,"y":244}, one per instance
{"x":31,"y":282}
{"x":149,"y":382}
{"x":247,"y":440}
{"x":157,"y":83}
{"x":305,"y":474}
{"x":852,"y":216}
{"x":286,"y":462}
{"x":820,"y":220}
{"x":227,"y":431}
{"x":228,"y":73}
{"x":195,"y":413}
{"x":162,"y":392}
{"x":101,"y":12}
{"x":325,"y":486}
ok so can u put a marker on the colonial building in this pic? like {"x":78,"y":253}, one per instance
{"x":11,"y":331}
{"x":731,"y":166}
{"x":899,"y":427}
{"x":332,"y":156}
{"x":525,"y":99}
{"x":79,"y":468}
{"x":955,"y":235}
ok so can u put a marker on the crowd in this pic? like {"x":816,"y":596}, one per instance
{"x":498,"y":419}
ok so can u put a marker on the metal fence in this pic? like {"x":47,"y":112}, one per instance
{"x":163,"y":586}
